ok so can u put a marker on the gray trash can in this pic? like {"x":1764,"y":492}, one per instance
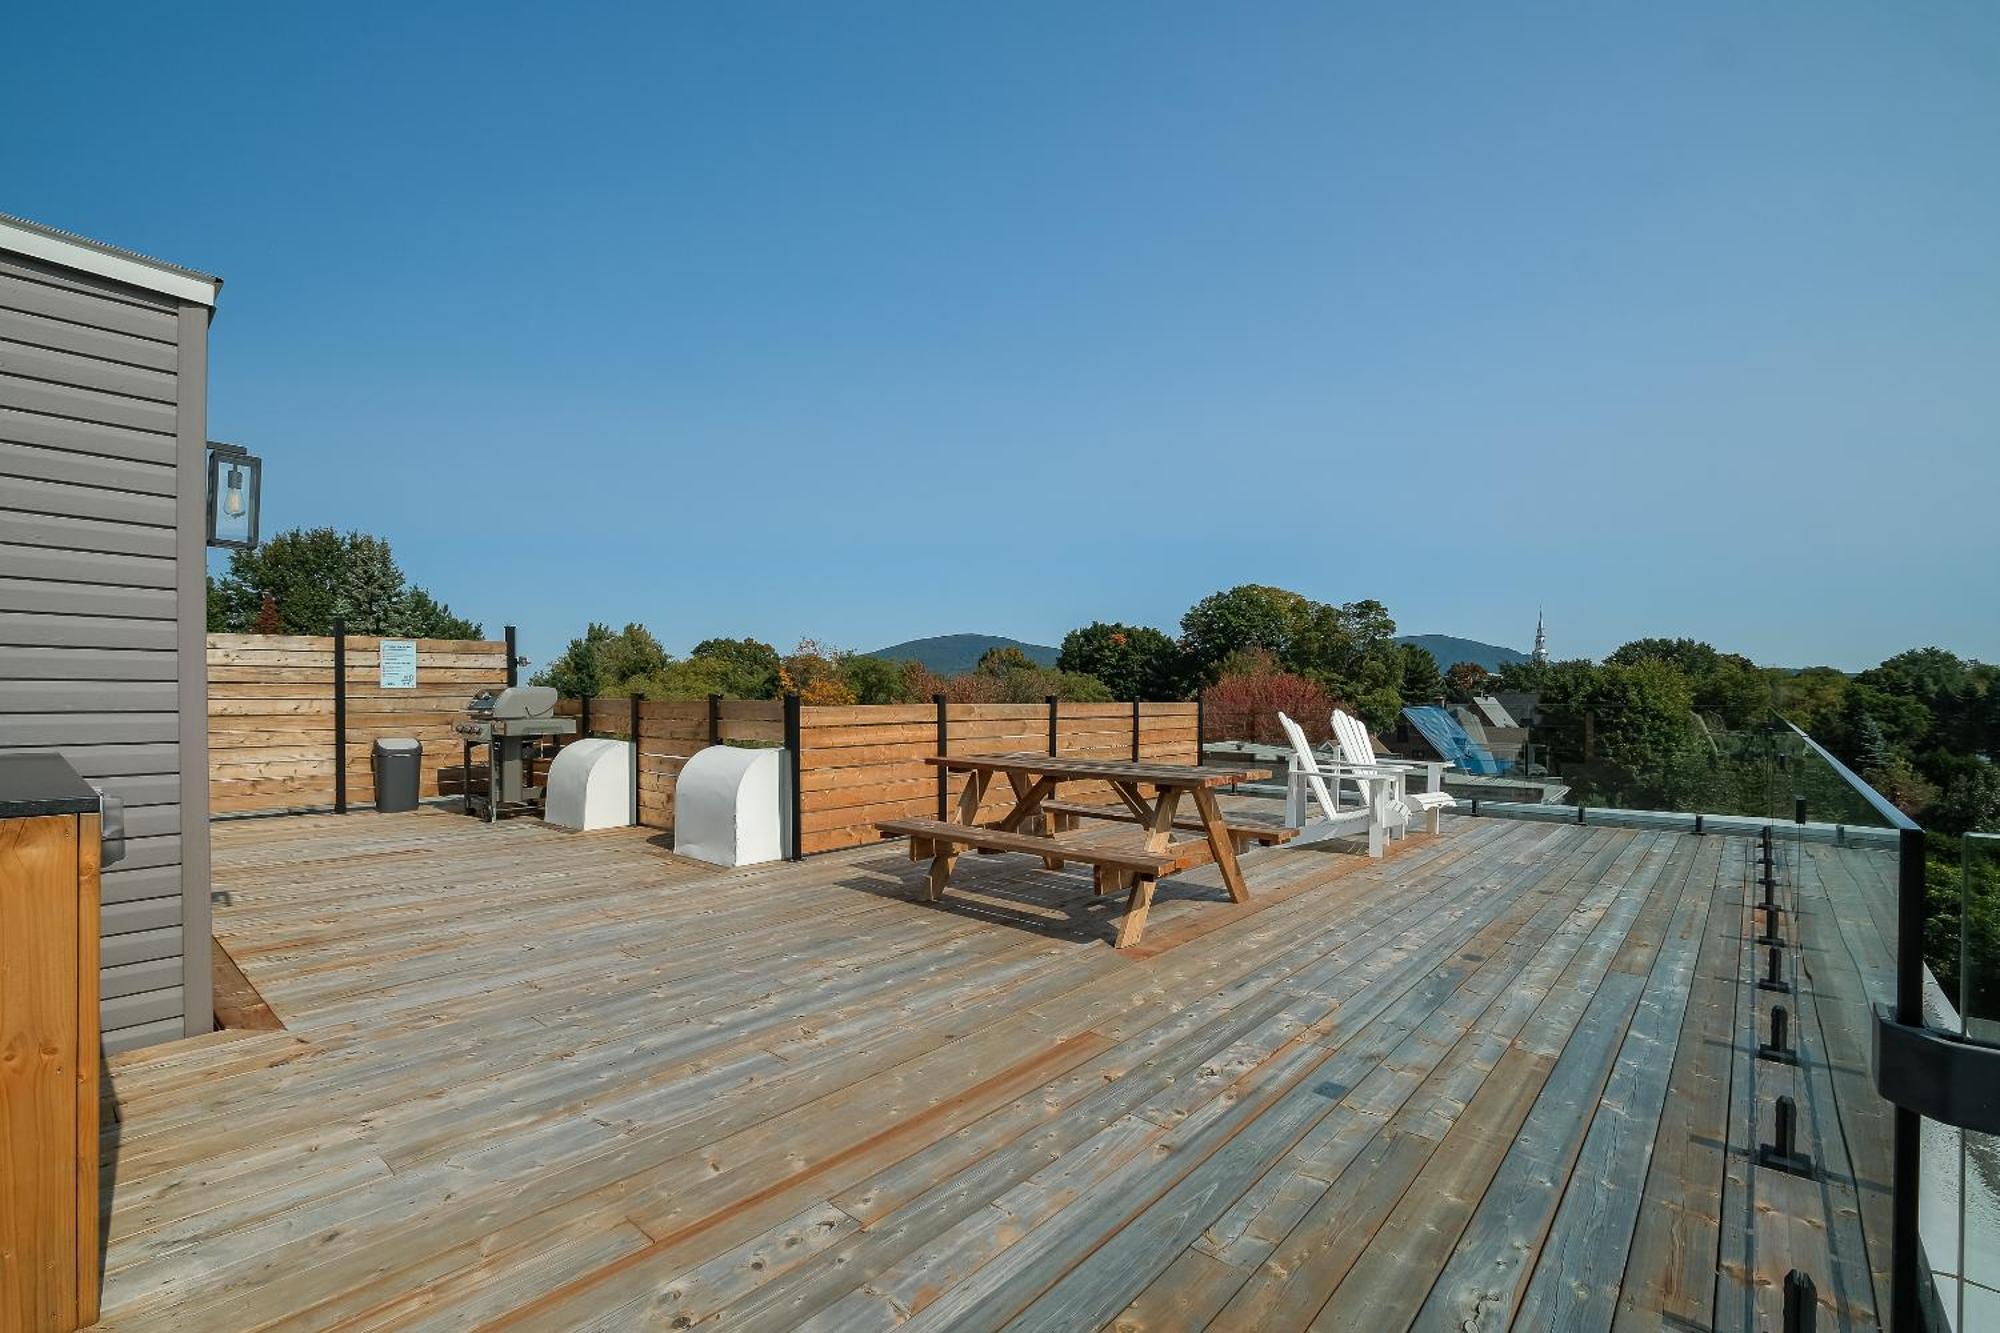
{"x":399,"y":766}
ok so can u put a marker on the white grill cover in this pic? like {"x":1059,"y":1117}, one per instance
{"x":729,"y":806}
{"x":590,"y":786}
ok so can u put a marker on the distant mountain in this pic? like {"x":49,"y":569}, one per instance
{"x":1450,"y":651}
{"x":954,"y":654}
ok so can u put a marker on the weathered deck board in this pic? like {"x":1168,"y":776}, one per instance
{"x":543,"y":1080}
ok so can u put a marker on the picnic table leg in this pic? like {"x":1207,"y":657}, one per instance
{"x":1133,"y":925}
{"x":1219,"y":844}
{"x":941,"y":863}
{"x":1160,"y":829}
{"x":971,"y":794}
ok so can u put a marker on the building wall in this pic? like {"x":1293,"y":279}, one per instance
{"x":102,"y":603}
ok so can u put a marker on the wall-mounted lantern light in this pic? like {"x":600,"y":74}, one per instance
{"x":235,"y":483}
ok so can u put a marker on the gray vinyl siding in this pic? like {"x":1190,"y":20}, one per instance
{"x":100,"y":478}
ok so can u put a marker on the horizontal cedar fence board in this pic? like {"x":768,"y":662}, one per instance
{"x":271,"y":715}
{"x":355,"y":643}
{"x":848,"y":715}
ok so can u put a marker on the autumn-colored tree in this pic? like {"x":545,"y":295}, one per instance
{"x":1466,"y":680}
{"x":1246,"y":707}
{"x":920,"y":683}
{"x":814,"y":673}
{"x":267,"y":621}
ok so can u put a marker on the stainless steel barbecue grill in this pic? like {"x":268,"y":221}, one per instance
{"x":511,"y":725}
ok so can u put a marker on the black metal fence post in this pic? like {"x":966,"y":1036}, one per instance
{"x":1135,"y":731}
{"x":1053,"y":715}
{"x":633,"y":721}
{"x":1200,"y":726}
{"x":339,"y":715}
{"x":943,"y":747}
{"x":1906,"y":1146}
{"x":792,"y":741}
{"x":715,"y":719}
{"x":583,"y":716}
{"x":513,"y":664}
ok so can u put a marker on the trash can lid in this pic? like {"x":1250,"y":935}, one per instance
{"x":395,"y":744}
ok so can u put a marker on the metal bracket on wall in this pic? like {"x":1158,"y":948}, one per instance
{"x":1937,"y":1074}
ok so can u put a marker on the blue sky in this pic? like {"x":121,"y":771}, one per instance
{"x":867,"y":322}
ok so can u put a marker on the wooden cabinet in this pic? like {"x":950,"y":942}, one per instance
{"x":49,"y":856}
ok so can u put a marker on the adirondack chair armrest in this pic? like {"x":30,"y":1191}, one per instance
{"x":1360,"y":771}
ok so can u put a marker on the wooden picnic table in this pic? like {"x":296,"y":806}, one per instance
{"x":1149,"y":796}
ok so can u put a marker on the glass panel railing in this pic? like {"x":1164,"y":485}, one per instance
{"x":1971,"y":973}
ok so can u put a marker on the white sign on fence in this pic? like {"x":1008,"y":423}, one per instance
{"x":399,"y":664}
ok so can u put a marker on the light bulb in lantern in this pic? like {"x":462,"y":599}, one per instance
{"x":232,"y":503}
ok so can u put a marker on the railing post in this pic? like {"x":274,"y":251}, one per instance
{"x":1782,"y":1153}
{"x":583,"y":716}
{"x":633,"y":722}
{"x":339,"y":715}
{"x":715,"y":719}
{"x":1135,"y":731}
{"x":1906,"y":1148}
{"x":943,"y":748}
{"x":513,"y":664}
{"x":1052,"y":724}
{"x":1798,"y":809}
{"x":1801,"y":1303}
{"x":792,"y":741}
{"x":1200,"y":725}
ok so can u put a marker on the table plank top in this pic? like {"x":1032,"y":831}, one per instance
{"x":1185,"y":776}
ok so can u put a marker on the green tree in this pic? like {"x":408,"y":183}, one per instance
{"x":1970,"y":801}
{"x":609,"y":662}
{"x":632,"y":651}
{"x":999,"y":661}
{"x":1133,"y":661}
{"x":874,"y":680}
{"x":1868,"y":746}
{"x":1814,"y":699}
{"x":315,"y":574}
{"x":1421,"y":682}
{"x":1248,"y":616}
{"x":422,"y":616}
{"x":1348,"y":650}
{"x":578,"y":671}
{"x":1728,"y":685}
{"x":744,"y":668}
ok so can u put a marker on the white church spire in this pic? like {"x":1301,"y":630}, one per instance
{"x":1541,"y":653}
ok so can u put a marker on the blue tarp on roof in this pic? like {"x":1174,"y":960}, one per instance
{"x":1450,"y":740}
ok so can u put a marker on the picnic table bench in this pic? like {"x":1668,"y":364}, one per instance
{"x":1136,"y":869}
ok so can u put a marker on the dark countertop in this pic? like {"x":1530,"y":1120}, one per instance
{"x":42,"y":784}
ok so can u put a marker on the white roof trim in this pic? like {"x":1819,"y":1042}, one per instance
{"x":74,"y":252}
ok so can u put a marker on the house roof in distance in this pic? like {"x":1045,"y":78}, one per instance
{"x":52,"y":245}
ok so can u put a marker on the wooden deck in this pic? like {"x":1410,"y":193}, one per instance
{"x":1505,"y":1078}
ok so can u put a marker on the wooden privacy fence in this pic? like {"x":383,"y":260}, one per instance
{"x":670,"y":731}
{"x":864,"y":762}
{"x":273,"y":713}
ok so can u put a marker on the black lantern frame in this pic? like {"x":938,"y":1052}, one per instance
{"x":234,"y":471}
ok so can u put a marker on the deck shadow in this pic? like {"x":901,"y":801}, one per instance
{"x":1055,"y":904}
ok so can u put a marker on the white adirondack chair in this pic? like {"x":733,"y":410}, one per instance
{"x":1309,"y":776}
{"x":1357,"y":749}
